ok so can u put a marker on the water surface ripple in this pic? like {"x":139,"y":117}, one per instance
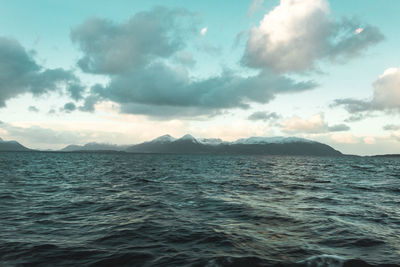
{"x":93,"y":209}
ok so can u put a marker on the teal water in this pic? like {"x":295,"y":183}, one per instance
{"x":93,"y":209}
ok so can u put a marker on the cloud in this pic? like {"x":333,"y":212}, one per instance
{"x":354,"y":105}
{"x":391,"y":127}
{"x":36,"y":136}
{"x":263,"y":116}
{"x":344,"y":138}
{"x":75,"y":91}
{"x":369,"y":140}
{"x":356,"y":117}
{"x":169,"y":112}
{"x":396,"y":136}
{"x":359,"y":30}
{"x":69,"y":107}
{"x":295,"y":35}
{"x":89,"y":103}
{"x":210,"y":49}
{"x":21,"y":74}
{"x":186,"y":59}
{"x":33,"y":109}
{"x":349,"y":143}
{"x":386,"y":95}
{"x":203,"y":31}
{"x":149,"y":72}
{"x":338,"y":128}
{"x":387,"y":90}
{"x":254,"y":7}
{"x":174,"y":93}
{"x":314,"y":124}
{"x":39,"y":135}
{"x":112,"y":48}
{"x":240,"y":37}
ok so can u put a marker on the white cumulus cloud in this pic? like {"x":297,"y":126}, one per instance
{"x":297,"y":33}
{"x":387,"y":89}
{"x":386,"y":95}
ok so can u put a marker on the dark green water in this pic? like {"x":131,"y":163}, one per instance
{"x":82,"y":209}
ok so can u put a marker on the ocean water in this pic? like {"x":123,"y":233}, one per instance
{"x":93,"y":209}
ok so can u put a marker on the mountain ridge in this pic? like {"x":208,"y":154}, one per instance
{"x":12,"y":146}
{"x":93,"y":146}
{"x":188,"y":144}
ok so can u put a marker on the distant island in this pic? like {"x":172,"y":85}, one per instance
{"x":253,"y":145}
{"x":387,"y":156}
{"x":12,"y":146}
{"x":188,"y":144}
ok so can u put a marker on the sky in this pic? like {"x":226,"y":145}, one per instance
{"x":124,"y":72}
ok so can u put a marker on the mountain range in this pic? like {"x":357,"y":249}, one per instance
{"x":253,"y":145}
{"x":94,"y":147}
{"x":188,"y":144}
{"x":12,"y":146}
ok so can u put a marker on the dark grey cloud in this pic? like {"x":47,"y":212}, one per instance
{"x":158,"y":112}
{"x":174,"y":91}
{"x":391,"y":127}
{"x":69,"y":107}
{"x":89,"y":102}
{"x":19,"y":73}
{"x":353,"y":105}
{"x":358,"y":117}
{"x":33,"y":109}
{"x":76,"y":91}
{"x":111,"y":48}
{"x":338,"y":128}
{"x":281,"y":44}
{"x":263,"y":116}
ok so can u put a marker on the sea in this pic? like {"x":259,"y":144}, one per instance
{"x":121,"y":209}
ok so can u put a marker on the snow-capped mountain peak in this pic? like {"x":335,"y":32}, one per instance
{"x":164,"y":139}
{"x":254,"y":140}
{"x":210,"y":141}
{"x":270,"y":140}
{"x":188,"y":137}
